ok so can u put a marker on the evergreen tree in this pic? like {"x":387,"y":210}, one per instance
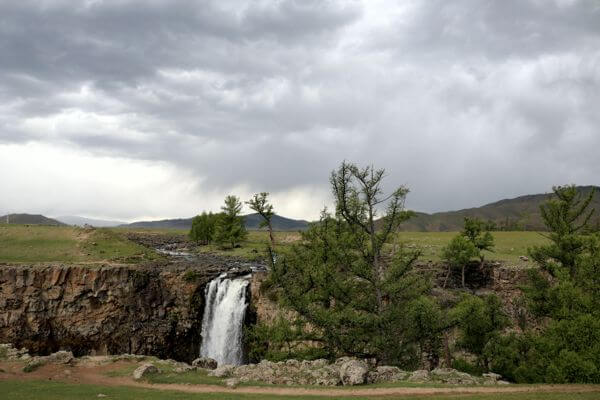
{"x":457,"y":254}
{"x":341,"y":283}
{"x":261,"y":205}
{"x":564,"y":293}
{"x":203,"y":228}
{"x":566,"y":217}
{"x":476,"y":231}
{"x":480,"y":321}
{"x":230,"y":227}
{"x":471,"y":242}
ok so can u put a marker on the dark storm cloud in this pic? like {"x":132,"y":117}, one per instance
{"x":451,"y":97}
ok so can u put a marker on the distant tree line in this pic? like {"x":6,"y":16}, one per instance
{"x":228,"y":228}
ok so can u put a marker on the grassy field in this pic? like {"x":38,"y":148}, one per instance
{"x":49,"y":390}
{"x":510,"y":246}
{"x":34,"y":243}
{"x":31,"y":243}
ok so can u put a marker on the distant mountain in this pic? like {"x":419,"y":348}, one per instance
{"x":252,"y":223}
{"x":179,"y":223}
{"x":28,"y":219}
{"x":520,"y":213}
{"x":81,"y":221}
{"x":279,"y":223}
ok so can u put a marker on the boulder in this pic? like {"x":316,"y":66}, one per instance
{"x":144,"y":370}
{"x":184,"y":368}
{"x":353,"y":372}
{"x":419,"y":375}
{"x":492,"y":376}
{"x":385,"y":374}
{"x":453,"y":377}
{"x":205,"y":362}
{"x":223,"y":371}
{"x":60,"y":357}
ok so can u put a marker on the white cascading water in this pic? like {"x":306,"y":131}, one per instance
{"x":223,"y":320}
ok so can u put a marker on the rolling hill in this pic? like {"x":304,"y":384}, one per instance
{"x":252,"y":223}
{"x":81,"y":221}
{"x":28,"y":219}
{"x":520,"y":213}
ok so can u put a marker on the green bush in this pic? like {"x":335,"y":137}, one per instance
{"x":480,"y":320}
{"x":465,"y":366}
{"x":281,"y":340}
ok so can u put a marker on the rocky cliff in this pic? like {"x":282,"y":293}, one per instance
{"x":103,"y":310}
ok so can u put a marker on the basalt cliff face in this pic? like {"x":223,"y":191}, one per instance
{"x":102,"y":310}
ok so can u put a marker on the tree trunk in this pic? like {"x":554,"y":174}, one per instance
{"x":447,"y":354}
{"x":271,"y":238}
{"x":463,"y":276}
{"x":447,"y":276}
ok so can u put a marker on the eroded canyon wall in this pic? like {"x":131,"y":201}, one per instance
{"x":101,"y":310}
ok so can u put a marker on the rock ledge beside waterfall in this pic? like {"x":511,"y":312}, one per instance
{"x":345,"y":371}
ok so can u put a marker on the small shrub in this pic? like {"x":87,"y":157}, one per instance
{"x":465,"y":366}
{"x":32,"y":366}
{"x":192,"y":275}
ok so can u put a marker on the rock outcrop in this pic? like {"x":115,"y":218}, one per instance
{"x":345,"y":371}
{"x":103,"y":310}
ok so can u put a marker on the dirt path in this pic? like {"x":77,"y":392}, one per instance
{"x":95,"y":374}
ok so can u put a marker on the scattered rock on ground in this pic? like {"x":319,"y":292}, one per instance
{"x":144,"y":370}
{"x":205,"y":362}
{"x":60,"y":357}
{"x":8,"y":351}
{"x":232,"y":382}
{"x":223,"y":371}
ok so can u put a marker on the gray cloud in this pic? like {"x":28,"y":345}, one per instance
{"x":465,"y":102}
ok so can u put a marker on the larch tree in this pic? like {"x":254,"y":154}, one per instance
{"x":230,"y":227}
{"x":260,"y":204}
{"x":345,"y":281}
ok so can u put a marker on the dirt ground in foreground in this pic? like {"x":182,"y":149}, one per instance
{"x":94,"y":372}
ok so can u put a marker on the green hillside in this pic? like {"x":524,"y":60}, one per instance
{"x":520,"y":213}
{"x":28,"y":219}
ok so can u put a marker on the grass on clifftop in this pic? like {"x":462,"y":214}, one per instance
{"x":509,"y":245}
{"x":34,"y":243}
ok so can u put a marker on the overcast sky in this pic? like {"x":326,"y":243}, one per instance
{"x":147,"y":109}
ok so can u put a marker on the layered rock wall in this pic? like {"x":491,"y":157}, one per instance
{"x":101,"y":310}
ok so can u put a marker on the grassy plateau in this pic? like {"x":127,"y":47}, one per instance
{"x":38,"y":244}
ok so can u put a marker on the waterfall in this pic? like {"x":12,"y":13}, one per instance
{"x":223,"y":320}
